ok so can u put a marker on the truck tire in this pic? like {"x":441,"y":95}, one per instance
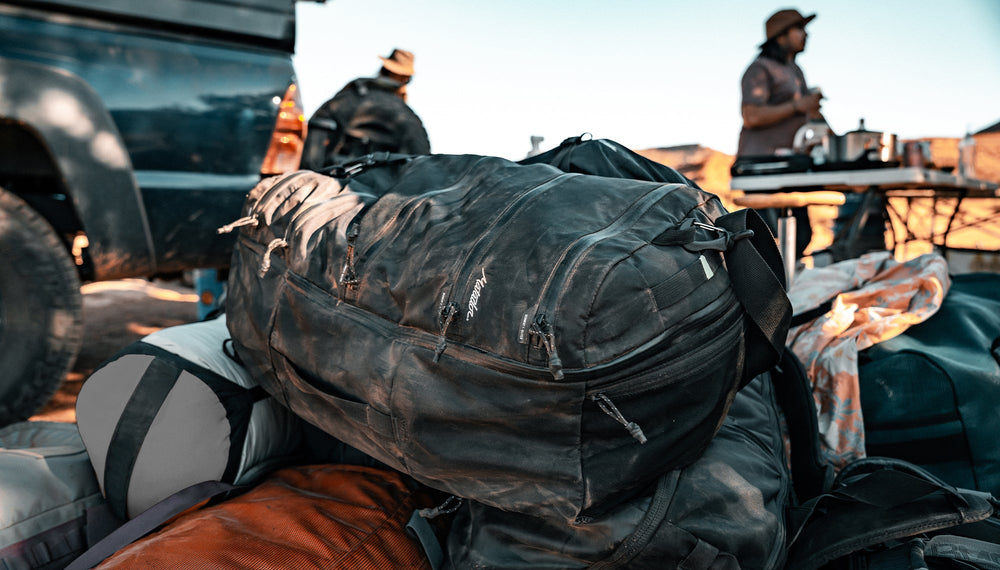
{"x":41,"y":310}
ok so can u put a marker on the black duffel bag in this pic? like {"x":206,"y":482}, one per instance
{"x":542,"y":342}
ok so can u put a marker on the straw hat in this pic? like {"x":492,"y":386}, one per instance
{"x":399,"y":62}
{"x":782,"y":20}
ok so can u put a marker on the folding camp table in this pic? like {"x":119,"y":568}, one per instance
{"x":947,"y":193}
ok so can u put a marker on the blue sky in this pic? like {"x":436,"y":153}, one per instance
{"x":647,"y":74}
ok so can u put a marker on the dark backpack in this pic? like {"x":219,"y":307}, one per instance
{"x":724,"y":511}
{"x":539,"y":341}
{"x":362,"y":118}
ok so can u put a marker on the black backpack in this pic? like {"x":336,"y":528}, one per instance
{"x":540,"y":341}
{"x":362,"y":118}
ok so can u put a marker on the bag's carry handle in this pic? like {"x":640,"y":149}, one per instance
{"x":147,"y":521}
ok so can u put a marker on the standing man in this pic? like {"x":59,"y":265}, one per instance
{"x":367,"y":115}
{"x":776,"y":101}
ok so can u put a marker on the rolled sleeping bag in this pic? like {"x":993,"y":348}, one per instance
{"x":174,"y":409}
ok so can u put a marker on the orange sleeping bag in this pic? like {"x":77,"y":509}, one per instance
{"x":319,"y":516}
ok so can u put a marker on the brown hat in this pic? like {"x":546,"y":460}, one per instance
{"x":782,"y":20}
{"x":399,"y":62}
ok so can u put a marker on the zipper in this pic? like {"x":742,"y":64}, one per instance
{"x":348,"y":278}
{"x":416,"y":337}
{"x":430,"y":341}
{"x":490,"y":234}
{"x":541,"y":333}
{"x":673,"y":368}
{"x":690,"y":363}
{"x":392,"y":222}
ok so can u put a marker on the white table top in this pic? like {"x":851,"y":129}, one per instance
{"x":886,"y":179}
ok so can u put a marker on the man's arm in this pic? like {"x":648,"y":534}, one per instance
{"x":765,"y":115}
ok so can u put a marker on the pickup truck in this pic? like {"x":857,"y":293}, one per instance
{"x":130,"y":130}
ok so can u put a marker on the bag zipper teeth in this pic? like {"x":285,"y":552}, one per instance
{"x":572,"y":255}
{"x":430,"y":341}
{"x":668,"y":368}
{"x":447,"y":315}
{"x":542,"y":332}
{"x":488,"y":235}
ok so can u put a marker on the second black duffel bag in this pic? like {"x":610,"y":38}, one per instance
{"x":543,"y":342}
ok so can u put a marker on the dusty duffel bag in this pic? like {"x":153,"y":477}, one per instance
{"x":724,"y":511}
{"x":175,"y":409}
{"x":539,"y":341}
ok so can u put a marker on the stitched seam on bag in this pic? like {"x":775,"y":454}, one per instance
{"x":880,"y":537}
{"x":597,"y":290}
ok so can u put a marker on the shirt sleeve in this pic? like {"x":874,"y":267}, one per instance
{"x":756,"y":85}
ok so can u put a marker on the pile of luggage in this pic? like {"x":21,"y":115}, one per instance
{"x":575,"y":361}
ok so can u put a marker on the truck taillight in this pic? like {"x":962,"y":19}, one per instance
{"x":288,"y":137}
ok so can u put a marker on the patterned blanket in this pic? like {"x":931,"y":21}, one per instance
{"x":874,"y":299}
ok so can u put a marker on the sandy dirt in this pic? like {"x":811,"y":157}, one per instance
{"x":115,"y":314}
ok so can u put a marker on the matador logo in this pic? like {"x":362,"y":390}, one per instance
{"x":477,"y":290}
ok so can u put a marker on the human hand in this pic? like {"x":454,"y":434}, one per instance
{"x":810,"y":103}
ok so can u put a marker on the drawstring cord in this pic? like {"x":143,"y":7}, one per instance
{"x":247,"y":221}
{"x":265,"y":262}
{"x":609,"y":408}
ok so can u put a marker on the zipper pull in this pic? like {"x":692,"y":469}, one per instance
{"x":609,"y":408}
{"x":450,"y":505}
{"x":348,"y":277}
{"x":544,"y":334}
{"x":447,"y":316}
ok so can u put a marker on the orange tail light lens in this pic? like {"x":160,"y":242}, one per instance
{"x":289,"y":135}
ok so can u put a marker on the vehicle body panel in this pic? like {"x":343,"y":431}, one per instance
{"x":158,"y":128}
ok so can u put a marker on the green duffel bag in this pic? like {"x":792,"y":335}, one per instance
{"x":930,"y":395}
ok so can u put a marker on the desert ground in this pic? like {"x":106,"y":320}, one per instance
{"x":115,"y":314}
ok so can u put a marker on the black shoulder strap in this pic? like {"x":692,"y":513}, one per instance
{"x":755,"y":269}
{"x":148,"y":521}
{"x":811,"y":473}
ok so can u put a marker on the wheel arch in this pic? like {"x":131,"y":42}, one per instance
{"x":78,"y":140}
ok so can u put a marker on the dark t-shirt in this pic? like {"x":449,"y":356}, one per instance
{"x":770,"y":82}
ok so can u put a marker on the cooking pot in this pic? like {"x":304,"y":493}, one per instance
{"x":861,"y":145}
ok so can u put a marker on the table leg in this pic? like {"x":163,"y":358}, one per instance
{"x":786,"y":243}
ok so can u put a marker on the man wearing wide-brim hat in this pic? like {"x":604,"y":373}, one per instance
{"x":776,"y":100}
{"x":368,"y":115}
{"x":398,"y":67}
